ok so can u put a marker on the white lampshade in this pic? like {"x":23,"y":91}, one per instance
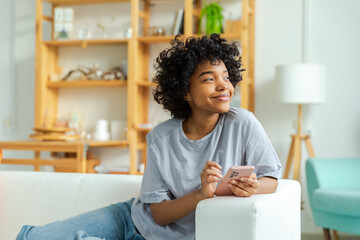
{"x":301,"y":83}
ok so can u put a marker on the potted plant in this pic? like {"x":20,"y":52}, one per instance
{"x":214,"y":17}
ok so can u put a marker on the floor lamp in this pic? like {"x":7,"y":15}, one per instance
{"x":300,"y":84}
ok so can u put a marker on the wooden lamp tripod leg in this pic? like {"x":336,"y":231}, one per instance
{"x":289,"y":159}
{"x":297,"y":158}
{"x":294,"y":157}
{"x":309,"y":146}
{"x":295,"y":150}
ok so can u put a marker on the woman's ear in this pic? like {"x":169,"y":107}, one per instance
{"x":187,"y":97}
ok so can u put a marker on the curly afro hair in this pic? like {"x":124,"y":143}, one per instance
{"x":176,"y":65}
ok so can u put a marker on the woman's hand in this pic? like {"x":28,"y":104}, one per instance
{"x":210,"y":176}
{"x":245,"y":187}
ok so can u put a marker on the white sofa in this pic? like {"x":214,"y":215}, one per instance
{"x":38,"y":198}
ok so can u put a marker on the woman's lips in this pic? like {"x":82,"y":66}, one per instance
{"x":222,"y":97}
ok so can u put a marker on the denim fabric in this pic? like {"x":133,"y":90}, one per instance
{"x":110,"y":223}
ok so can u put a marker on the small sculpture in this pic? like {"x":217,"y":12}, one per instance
{"x":95,"y":73}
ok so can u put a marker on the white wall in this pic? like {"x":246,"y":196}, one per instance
{"x":6,"y":66}
{"x":334,"y":39}
{"x":17,"y":44}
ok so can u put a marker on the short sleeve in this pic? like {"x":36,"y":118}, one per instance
{"x":259,"y":151}
{"x":153,"y":187}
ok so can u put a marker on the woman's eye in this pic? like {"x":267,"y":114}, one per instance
{"x":226,"y":78}
{"x":208,"y":80}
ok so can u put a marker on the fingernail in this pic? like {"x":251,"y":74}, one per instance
{"x":233,"y":181}
{"x":242,"y":179}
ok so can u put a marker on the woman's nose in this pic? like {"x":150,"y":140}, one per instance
{"x":221,"y":85}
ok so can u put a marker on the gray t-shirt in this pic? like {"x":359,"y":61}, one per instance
{"x":174,"y":164}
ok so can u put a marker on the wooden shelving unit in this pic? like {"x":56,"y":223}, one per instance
{"x":46,"y":92}
{"x":138,"y":52}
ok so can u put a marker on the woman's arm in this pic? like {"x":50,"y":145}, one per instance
{"x":267,"y":185}
{"x":169,"y":211}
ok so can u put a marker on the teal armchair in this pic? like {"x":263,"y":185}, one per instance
{"x":334,"y":193}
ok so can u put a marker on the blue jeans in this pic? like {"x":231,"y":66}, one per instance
{"x":110,"y":223}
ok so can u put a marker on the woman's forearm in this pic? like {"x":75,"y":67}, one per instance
{"x":169,"y":211}
{"x":267,"y":185}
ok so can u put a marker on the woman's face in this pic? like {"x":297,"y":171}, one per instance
{"x":210,"y":89}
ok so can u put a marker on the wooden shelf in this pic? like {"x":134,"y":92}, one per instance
{"x":85,"y":43}
{"x":143,"y":129}
{"x":167,"y":39}
{"x":227,"y":36}
{"x":126,"y":173}
{"x":146,"y":40}
{"x":156,"y":39}
{"x":146,"y":84}
{"x":75,"y":2}
{"x":86,"y":83}
{"x":118,"y":144}
{"x":61,"y":146}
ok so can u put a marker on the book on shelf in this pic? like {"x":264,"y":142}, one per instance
{"x":179,"y":22}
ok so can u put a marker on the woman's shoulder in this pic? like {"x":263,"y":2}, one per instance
{"x":163,"y":129}
{"x":242,"y":120}
{"x":236,"y":114}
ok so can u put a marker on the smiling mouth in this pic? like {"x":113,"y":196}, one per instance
{"x":222,"y":97}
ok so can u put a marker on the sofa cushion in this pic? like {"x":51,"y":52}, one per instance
{"x":345,"y":201}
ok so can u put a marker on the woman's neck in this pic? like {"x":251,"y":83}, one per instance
{"x":197,"y":127}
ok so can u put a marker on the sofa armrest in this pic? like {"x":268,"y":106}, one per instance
{"x":273,"y":216}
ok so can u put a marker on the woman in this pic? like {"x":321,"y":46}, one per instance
{"x":187,"y":154}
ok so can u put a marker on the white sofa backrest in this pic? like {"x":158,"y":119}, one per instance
{"x":37,"y":198}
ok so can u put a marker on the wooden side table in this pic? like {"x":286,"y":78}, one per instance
{"x":81,"y":163}
{"x":78,"y":147}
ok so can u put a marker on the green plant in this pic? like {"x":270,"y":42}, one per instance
{"x":214,"y":17}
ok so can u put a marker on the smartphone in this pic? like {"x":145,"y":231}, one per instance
{"x":235,"y":172}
